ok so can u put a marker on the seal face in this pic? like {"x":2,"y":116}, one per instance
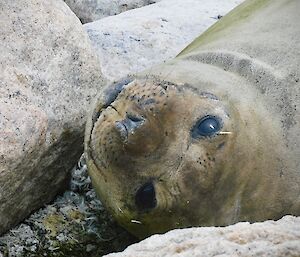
{"x":209,"y":138}
{"x":158,"y":155}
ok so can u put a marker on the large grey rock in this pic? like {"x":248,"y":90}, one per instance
{"x":139,"y":38}
{"x":92,"y":10}
{"x":49,"y":74}
{"x":269,"y":238}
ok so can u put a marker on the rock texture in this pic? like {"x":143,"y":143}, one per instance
{"x":49,"y":74}
{"x":92,"y":10}
{"x":140,"y":38}
{"x":270,"y":238}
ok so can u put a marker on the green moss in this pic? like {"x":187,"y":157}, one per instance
{"x":75,"y":215}
{"x":74,"y":225}
{"x":54,"y":223}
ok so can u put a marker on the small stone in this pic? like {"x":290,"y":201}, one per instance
{"x":90,"y":248}
{"x":61,"y":237}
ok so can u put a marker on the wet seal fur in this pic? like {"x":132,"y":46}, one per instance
{"x":155,"y":171}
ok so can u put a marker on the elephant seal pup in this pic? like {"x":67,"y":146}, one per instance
{"x":209,"y":138}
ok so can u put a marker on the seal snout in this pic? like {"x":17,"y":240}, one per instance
{"x":129,"y":125}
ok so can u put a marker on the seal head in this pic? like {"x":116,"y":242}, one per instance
{"x":210,"y":137}
{"x":163,"y":155}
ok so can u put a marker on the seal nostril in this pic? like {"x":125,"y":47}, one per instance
{"x":133,"y":122}
{"x":134,"y":118}
{"x":145,"y":198}
{"x":129,"y":125}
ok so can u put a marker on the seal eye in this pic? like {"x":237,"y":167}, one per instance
{"x":206,"y":127}
{"x":145,"y":197}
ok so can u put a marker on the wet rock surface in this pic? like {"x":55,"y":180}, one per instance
{"x":49,"y":76}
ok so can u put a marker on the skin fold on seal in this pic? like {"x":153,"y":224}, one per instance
{"x":209,"y":138}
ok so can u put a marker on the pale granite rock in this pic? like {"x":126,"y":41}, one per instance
{"x":269,"y":238}
{"x":139,"y":38}
{"x":49,"y":75}
{"x":92,"y":10}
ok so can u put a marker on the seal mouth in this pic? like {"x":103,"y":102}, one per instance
{"x":145,"y":198}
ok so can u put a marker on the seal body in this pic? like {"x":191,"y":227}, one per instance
{"x":211,"y":137}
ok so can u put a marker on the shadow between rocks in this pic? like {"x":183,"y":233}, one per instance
{"x":74,"y":225}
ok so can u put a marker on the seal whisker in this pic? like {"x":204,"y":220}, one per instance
{"x":168,"y":74}
{"x":120,"y":209}
{"x":224,"y":133}
{"x":136,"y":221}
{"x":147,"y":76}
